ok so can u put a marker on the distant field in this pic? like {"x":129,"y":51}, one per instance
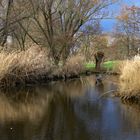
{"x":106,"y":65}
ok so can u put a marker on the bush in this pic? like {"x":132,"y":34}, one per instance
{"x":74,"y":65}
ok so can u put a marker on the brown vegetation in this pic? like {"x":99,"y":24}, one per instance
{"x":34,"y":64}
{"x":74,"y":65}
{"x":50,"y":23}
{"x":18,"y":66}
{"x":129,"y":79}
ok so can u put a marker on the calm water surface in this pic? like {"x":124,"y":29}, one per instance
{"x":68,"y":111}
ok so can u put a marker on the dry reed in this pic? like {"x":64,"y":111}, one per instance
{"x":34,"y":64}
{"x":74,"y":65}
{"x":129,"y":78}
{"x":18,"y":66}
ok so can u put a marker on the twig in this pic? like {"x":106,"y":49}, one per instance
{"x":107,"y":93}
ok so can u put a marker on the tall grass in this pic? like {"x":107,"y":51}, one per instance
{"x":129,"y":78}
{"x":17,"y":66}
{"x":74,"y":65}
{"x":33,"y":64}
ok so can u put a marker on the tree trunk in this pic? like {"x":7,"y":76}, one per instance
{"x":98,"y":60}
{"x":98,"y":64}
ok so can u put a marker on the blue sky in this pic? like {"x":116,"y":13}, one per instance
{"x":108,"y":24}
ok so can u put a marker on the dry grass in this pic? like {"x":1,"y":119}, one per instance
{"x":117,"y":68}
{"x":74,"y":65}
{"x":21,"y":65}
{"x":129,"y":79}
{"x":34,"y":63}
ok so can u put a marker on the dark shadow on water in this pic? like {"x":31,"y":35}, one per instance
{"x":67,"y":111}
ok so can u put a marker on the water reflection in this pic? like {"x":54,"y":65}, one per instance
{"x":67,"y":111}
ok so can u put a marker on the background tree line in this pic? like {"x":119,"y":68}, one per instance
{"x":49,"y":23}
{"x":128,"y":29}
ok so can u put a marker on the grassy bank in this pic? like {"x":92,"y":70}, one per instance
{"x":111,"y":66}
{"x":129,"y":80}
{"x":34,"y":66}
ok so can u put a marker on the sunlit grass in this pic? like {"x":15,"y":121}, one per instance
{"x":18,"y":66}
{"x":129,"y":79}
{"x":109,"y":65}
{"x":90,"y":65}
{"x":33,"y":64}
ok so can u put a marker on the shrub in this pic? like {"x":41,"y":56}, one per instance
{"x":74,"y":65}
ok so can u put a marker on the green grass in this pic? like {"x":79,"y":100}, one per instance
{"x":107,"y":65}
{"x":90,"y":65}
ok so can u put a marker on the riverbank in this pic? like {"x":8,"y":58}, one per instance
{"x":108,"y":67}
{"x":129,"y":80}
{"x":33,"y":66}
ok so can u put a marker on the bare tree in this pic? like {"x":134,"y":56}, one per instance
{"x":13,"y":14}
{"x":52,"y":23}
{"x":129,"y":27}
{"x":6,"y":9}
{"x":58,"y":21}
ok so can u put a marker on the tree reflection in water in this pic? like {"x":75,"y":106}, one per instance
{"x":66,"y":111}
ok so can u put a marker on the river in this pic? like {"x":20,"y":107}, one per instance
{"x":72,"y":110}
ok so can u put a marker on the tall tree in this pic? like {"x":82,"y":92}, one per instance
{"x":54,"y":23}
{"x":62,"y":19}
{"x":129,"y":27}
